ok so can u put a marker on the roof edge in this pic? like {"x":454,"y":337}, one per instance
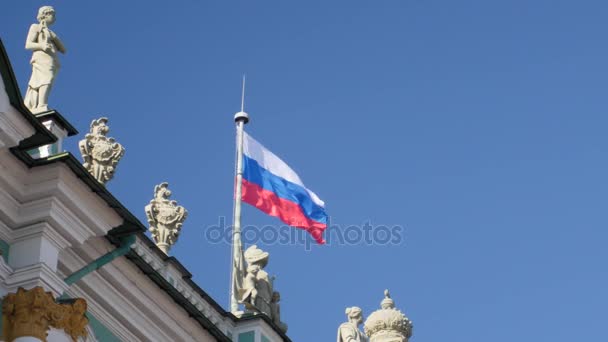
{"x":42,"y":136}
{"x":55,"y":115}
{"x":251,"y":317}
{"x":177,"y":296}
{"x":130,"y":225}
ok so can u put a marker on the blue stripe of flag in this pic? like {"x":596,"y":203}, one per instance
{"x":254,"y":173}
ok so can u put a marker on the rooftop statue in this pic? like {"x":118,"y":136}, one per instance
{"x":165,"y":217}
{"x":44,"y":43}
{"x":258,"y":293}
{"x":257,"y":258}
{"x":349,"y":331}
{"x":250,"y":293}
{"x":100,"y":153}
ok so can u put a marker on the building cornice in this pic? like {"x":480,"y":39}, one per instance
{"x":130,"y":225}
{"x":184,"y":298}
{"x":57,"y":117}
{"x":153,"y":262}
{"x":41,"y":135}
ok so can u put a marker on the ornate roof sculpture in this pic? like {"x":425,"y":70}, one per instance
{"x":165,"y":217}
{"x":388,"y":324}
{"x":44,"y":45}
{"x":257,"y":293}
{"x":100,"y":153}
{"x":349,"y":331}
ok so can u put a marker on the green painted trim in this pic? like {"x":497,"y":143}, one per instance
{"x":124,"y":248}
{"x":5,"y":248}
{"x":265,"y":339}
{"x":247,"y":336}
{"x":102,"y":333}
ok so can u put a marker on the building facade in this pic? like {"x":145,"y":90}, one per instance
{"x":76,"y":265}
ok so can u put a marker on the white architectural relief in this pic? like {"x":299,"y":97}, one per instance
{"x":45,"y":65}
{"x":165,"y":217}
{"x":100,"y":153}
{"x":388,"y":324}
{"x":174,"y":277}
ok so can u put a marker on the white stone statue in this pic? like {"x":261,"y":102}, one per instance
{"x":349,"y":331}
{"x":388,"y":324}
{"x":257,"y":257}
{"x":44,"y":43}
{"x":165,"y":217}
{"x":250,"y":293}
{"x":100,"y":153}
{"x":257,"y":292}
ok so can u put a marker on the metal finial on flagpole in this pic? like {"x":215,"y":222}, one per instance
{"x":242,"y":115}
{"x":238,"y":266}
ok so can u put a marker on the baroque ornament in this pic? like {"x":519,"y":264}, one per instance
{"x":165,"y":217}
{"x":388,"y":324}
{"x":100,"y":153}
{"x":32,"y":312}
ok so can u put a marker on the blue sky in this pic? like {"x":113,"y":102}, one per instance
{"x":477,"y":126}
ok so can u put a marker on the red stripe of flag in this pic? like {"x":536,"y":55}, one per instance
{"x":288,"y":212}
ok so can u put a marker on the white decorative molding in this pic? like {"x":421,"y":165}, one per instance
{"x":40,"y":229}
{"x":13,"y":126}
{"x":5,"y":272}
{"x":121,"y":296}
{"x":54,"y":194}
{"x":174,"y":277}
{"x":35,"y":275}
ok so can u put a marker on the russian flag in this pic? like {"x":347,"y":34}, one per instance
{"x":273,"y":187}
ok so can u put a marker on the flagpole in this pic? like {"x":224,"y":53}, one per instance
{"x":241,"y":118}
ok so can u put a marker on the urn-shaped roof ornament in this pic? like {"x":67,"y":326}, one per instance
{"x":100,"y":153}
{"x":388,"y":324}
{"x":165,"y":217}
